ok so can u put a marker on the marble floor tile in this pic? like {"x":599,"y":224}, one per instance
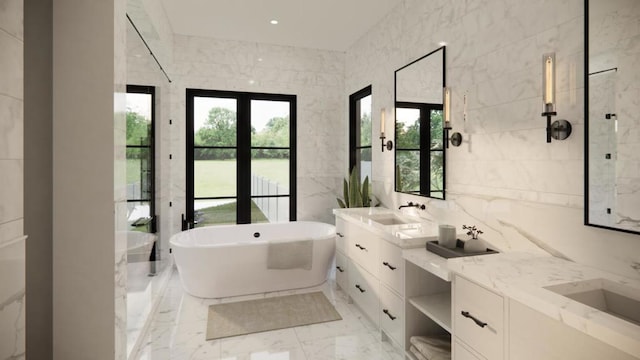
{"x":178,"y":331}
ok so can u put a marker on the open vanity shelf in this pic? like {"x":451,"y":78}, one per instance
{"x":437,"y":307}
{"x":428,"y":296}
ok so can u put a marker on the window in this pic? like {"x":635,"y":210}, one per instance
{"x":140,"y":158}
{"x":360,"y":132}
{"x":414,"y":122}
{"x":240,"y":157}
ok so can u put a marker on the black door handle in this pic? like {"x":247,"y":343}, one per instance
{"x":361,"y":247}
{"x":339,"y":234}
{"x":340,"y":269}
{"x":359,"y":288}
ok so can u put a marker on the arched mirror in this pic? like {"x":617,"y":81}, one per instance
{"x":419,"y":135}
{"x":612,"y":104}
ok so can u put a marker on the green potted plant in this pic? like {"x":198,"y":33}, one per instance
{"x":355,"y":194}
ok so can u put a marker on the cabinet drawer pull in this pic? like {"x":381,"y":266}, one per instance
{"x":339,"y":234}
{"x":359,"y":288}
{"x":478,"y":322}
{"x":389,"y":266}
{"x":340,"y":268}
{"x":388,"y":314}
{"x":361,"y":247}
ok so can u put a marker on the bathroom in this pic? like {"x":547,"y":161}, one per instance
{"x":524,"y":193}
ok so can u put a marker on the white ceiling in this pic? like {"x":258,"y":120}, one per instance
{"x":317,"y":24}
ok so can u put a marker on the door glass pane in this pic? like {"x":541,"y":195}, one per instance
{"x":214,"y":212}
{"x":214,"y":121}
{"x":269,"y":177}
{"x":364,"y":105}
{"x":214,"y":172}
{"x":407,"y":128}
{"x":270,"y":123}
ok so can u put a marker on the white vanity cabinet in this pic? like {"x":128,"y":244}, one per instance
{"x":371,"y":271}
{"x":478,"y":320}
{"x":536,"y":336}
{"x":342,"y":264}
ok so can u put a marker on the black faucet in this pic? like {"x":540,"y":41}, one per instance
{"x":411,"y":204}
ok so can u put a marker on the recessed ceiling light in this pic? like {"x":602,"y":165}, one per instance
{"x":260,"y":59}
{"x":251,"y":82}
{"x":442,"y":43}
{"x":273,"y":22}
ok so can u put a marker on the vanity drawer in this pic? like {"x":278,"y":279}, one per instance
{"x":364,"y":290}
{"x":341,"y":239}
{"x":364,"y":248}
{"x":392,"y":314}
{"x":391,"y":266}
{"x":478,"y":318}
{"x":342,"y":270}
{"x":461,"y":353}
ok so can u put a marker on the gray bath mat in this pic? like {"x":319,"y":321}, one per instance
{"x":252,"y":316}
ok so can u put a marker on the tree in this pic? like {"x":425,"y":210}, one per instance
{"x":138,"y":133}
{"x":137,"y":129}
{"x":220,"y":129}
{"x":274,"y":134}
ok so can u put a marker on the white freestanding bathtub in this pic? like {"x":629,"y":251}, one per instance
{"x":232,"y":260}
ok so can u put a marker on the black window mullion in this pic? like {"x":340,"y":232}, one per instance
{"x":243,"y":141}
{"x":189,"y":186}
{"x":425,"y":156}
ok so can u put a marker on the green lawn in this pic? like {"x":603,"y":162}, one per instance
{"x":226,"y":214}
{"x":218,"y":177}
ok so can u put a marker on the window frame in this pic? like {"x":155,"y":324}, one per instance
{"x":243,"y":149}
{"x":150,"y":90}
{"x":355,"y":127}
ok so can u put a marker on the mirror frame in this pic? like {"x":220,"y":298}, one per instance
{"x":395,"y":102}
{"x":586,"y":130}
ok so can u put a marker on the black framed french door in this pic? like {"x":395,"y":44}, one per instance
{"x":240,"y":157}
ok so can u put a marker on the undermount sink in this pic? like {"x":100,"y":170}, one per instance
{"x":389,"y":219}
{"x":604,"y":295}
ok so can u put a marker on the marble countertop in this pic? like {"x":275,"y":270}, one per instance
{"x":415,"y":233}
{"x":524,"y":277}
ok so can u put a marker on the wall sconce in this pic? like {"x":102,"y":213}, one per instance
{"x":456,"y":137}
{"x":388,"y":144}
{"x":560,"y":129}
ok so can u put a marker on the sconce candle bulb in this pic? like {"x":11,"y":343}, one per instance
{"x":549,"y":79}
{"x":447,"y":107}
{"x":388,"y":144}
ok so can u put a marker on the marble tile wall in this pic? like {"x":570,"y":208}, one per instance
{"x":12,"y":241}
{"x":315,"y":76}
{"x":524,"y":193}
